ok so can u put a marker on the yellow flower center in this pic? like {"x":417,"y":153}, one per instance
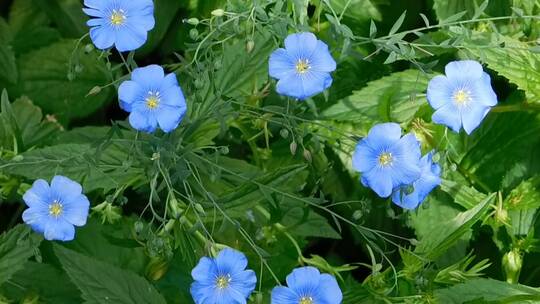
{"x":223,"y":281}
{"x":385,"y":159}
{"x":462,"y":97}
{"x":118,"y":17}
{"x":152,"y":101}
{"x":302,"y":66}
{"x":306,"y":300}
{"x":55,"y":209}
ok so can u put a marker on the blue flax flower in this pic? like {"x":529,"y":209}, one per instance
{"x":153,"y":99}
{"x":303,"y":67}
{"x":463,"y":97}
{"x":429,"y":179}
{"x":122,"y":23}
{"x":306,"y":285}
{"x":54,"y":210}
{"x":387,"y":160}
{"x":223,"y":280}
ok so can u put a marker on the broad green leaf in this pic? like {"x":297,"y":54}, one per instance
{"x":8,"y":67}
{"x":305,"y":222}
{"x":25,"y":15}
{"x":356,"y":10}
{"x":35,"y":279}
{"x":102,"y":283}
{"x":95,"y":169}
{"x":515,"y":62}
{"x":502,"y":142}
{"x":67,"y":15}
{"x":444,"y":234}
{"x":16,"y":247}
{"x":462,"y":194}
{"x":522,"y":204}
{"x":44,"y":79}
{"x":301,"y":10}
{"x":483,"y":290}
{"x":444,"y":9}
{"x":396,"y":97}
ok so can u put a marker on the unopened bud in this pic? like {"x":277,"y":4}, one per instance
{"x":95,"y":90}
{"x":218,"y":12}
{"x":293,"y":147}
{"x":250,"y":45}
{"x":193,"y":21}
{"x":512,"y":263}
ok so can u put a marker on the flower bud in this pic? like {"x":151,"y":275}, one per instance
{"x":293,"y":147}
{"x":193,"y":34}
{"x":512,"y":262}
{"x":95,"y":90}
{"x":250,"y":45}
{"x":88,"y":48}
{"x":218,"y":12}
{"x":193,"y":21}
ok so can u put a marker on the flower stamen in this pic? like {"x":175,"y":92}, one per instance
{"x":462,"y":97}
{"x":306,"y":300}
{"x":223,"y":281}
{"x":152,"y":100}
{"x":55,"y":209}
{"x":385,"y":159}
{"x":302,"y":66}
{"x":118,"y":17}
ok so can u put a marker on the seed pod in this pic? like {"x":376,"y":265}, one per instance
{"x":293,"y":147}
{"x":95,"y":90}
{"x":250,"y":45}
{"x":193,"y":33}
{"x":193,"y":21}
{"x":218,"y":12}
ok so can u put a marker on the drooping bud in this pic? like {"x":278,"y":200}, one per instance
{"x":512,"y":263}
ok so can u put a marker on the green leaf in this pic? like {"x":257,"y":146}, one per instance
{"x":445,"y":9}
{"x":464,"y":195}
{"x":522,"y":204}
{"x":8,"y":66}
{"x":398,"y":23}
{"x":35,"y":279}
{"x":67,"y":15}
{"x":102,"y":283}
{"x":355,"y":10}
{"x":487,"y":290}
{"x":514,"y":61}
{"x":44,"y":79}
{"x":96,"y":169}
{"x":16,"y":246}
{"x":444,"y":234}
{"x":396,"y":97}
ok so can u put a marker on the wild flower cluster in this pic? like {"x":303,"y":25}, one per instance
{"x":392,"y":159}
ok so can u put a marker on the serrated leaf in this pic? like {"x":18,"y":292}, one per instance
{"x":515,"y":62}
{"x":102,"y":283}
{"x":95,"y":169}
{"x":67,"y":15}
{"x":396,"y":97}
{"x":44,"y":79}
{"x":445,"y":234}
{"x":462,"y":194}
{"x":16,"y":246}
{"x":483,"y":290}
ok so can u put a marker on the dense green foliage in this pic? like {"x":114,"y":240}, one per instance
{"x":269,"y":175}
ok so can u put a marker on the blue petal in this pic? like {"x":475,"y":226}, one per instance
{"x":102,"y":37}
{"x":231,"y":261}
{"x":382,"y":136}
{"x":321,"y":60}
{"x":283,"y":295}
{"x":97,"y":4}
{"x":473,"y":116}
{"x":244,"y":282}
{"x":406,"y":154}
{"x":168,"y":117}
{"x":38,"y":195}
{"x":201,"y":292}
{"x":94,"y":13}
{"x":129,"y":38}
{"x":139,"y":7}
{"x":405,"y":201}
{"x":65,"y":188}
{"x":448,"y":115}
{"x":304,"y":280}
{"x":36,"y":217}
{"x":58,"y":229}
{"x":205,"y":271}
{"x":280,"y":64}
{"x":169,"y":82}
{"x":141,"y":23}
{"x":75,"y":210}
{"x":129,"y":92}
{"x":464,"y":69}
{"x":300,"y":45}
{"x":304,"y":85}
{"x":329,"y":290}
{"x":173,"y":97}
{"x":379,"y":180}
{"x":439,"y":92}
{"x":142,"y":121}
{"x":149,"y":77}
{"x":483,"y":92}
{"x":364,"y":157}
